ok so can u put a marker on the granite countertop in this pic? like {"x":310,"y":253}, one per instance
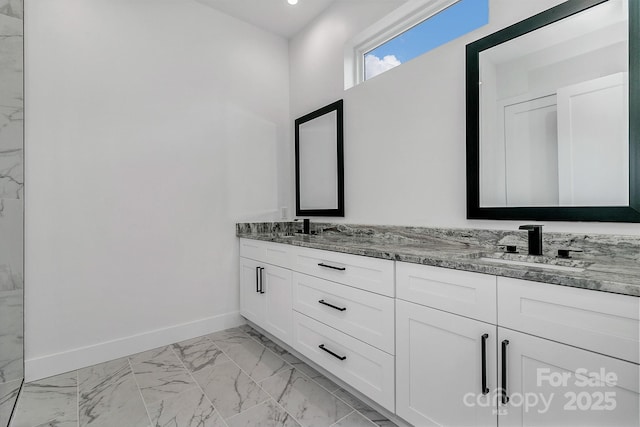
{"x":608,"y":263}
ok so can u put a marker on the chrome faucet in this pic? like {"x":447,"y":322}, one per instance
{"x":535,"y":238}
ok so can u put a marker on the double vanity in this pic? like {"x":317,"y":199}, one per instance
{"x":443,"y":327}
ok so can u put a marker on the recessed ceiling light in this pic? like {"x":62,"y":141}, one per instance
{"x":292,"y":1}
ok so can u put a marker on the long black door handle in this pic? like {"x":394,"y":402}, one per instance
{"x":261,"y":281}
{"x":323,"y":302}
{"x":485,"y":389}
{"x":505,"y":395}
{"x":331,"y":352}
{"x":322,"y":264}
{"x":257,"y":279}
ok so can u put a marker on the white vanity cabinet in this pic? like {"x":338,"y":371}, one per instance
{"x":344,"y":319}
{"x":576,"y":348}
{"x":444,"y":359}
{"x":336,"y":309}
{"x":549,"y":340}
{"x":443,"y":347}
{"x":265,"y":289}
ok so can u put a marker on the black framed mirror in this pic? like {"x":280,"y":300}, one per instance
{"x":319,"y":161}
{"x":552,"y":116}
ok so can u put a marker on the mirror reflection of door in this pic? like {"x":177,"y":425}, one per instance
{"x":554,"y":121}
{"x":593,"y":144}
{"x":531,"y":152}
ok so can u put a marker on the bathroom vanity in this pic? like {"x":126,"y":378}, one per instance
{"x":336,"y":309}
{"x":440,"y":332}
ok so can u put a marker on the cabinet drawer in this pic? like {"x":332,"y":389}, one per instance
{"x":598,"y":321}
{"x":269,"y":252}
{"x":461,"y":292}
{"x":371,"y":274}
{"x":365,"y":368}
{"x":364,"y":315}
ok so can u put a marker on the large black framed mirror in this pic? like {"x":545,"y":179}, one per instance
{"x":319,"y":142}
{"x":553,"y":131}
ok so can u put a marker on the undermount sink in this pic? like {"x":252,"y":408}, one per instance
{"x":544,"y":262}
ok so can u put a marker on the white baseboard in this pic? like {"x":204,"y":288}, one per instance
{"x":58,"y":363}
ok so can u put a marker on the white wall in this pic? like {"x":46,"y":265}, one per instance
{"x":153,"y":126}
{"x":405,"y":129}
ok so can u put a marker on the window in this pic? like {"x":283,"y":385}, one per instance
{"x":411,"y":30}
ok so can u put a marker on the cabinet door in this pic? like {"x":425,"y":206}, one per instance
{"x":439,"y":378}
{"x":278,"y":310}
{"x":251,"y":302}
{"x":546,"y":383}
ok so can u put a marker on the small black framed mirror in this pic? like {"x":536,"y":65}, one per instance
{"x":552,"y":116}
{"x":319,"y":159}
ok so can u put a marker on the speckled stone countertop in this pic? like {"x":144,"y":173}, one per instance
{"x":607,"y":263}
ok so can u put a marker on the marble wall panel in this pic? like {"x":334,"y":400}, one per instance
{"x":11,"y":15}
{"x":11,"y":336}
{"x":11,"y":127}
{"x":11,"y":226}
{"x":11,"y":71}
{"x":11,"y":205}
{"x":12,"y":8}
{"x":11,"y":174}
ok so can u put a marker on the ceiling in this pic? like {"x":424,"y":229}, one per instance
{"x":275,"y":16}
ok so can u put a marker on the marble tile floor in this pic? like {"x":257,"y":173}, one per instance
{"x":233,"y":378}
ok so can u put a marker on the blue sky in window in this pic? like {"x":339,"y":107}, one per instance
{"x":451,"y":23}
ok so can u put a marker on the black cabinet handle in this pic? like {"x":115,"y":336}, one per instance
{"x":257,"y":279}
{"x":323,"y":302}
{"x":261,"y":281}
{"x":331,"y":352}
{"x":485,"y":389}
{"x":321,"y":264}
{"x":505,"y":396}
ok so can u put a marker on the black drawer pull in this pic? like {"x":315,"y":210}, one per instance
{"x":323,"y":302}
{"x":505,"y":396}
{"x":485,"y":389}
{"x":321,"y":264}
{"x":261,"y":281}
{"x":331,"y":352}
